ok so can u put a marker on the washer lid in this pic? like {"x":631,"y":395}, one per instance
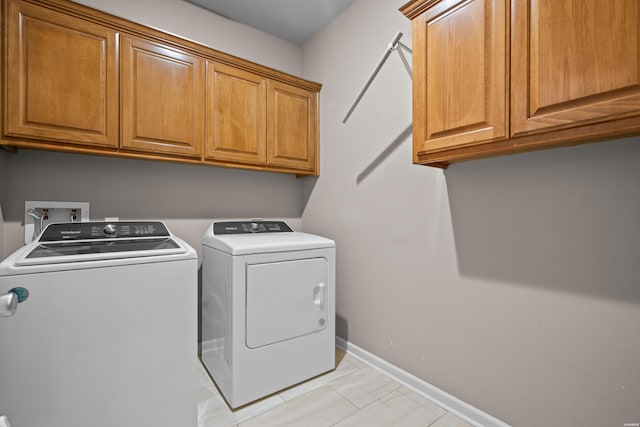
{"x":244,"y":244}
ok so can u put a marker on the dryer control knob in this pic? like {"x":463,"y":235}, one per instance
{"x":109,"y":229}
{"x":254,"y":226}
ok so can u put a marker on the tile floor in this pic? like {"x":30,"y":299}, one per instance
{"x":354,"y":394}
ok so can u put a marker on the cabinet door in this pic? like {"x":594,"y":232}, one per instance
{"x":62,"y":81}
{"x":162,"y":99}
{"x":292,"y":127}
{"x":574,"y":62}
{"x":460,"y":68}
{"x":236,"y":115}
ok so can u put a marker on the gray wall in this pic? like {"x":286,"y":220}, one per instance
{"x":511,"y":283}
{"x":186,"y":197}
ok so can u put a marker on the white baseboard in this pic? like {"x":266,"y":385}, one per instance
{"x":441,"y":398}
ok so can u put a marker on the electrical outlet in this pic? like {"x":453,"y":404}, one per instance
{"x":39,"y":214}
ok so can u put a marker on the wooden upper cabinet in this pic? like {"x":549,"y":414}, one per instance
{"x":292,"y":127}
{"x":574,"y":62}
{"x":254,"y":120}
{"x":62,"y":81}
{"x":76,"y":79}
{"x":460,"y":80}
{"x":236,"y":115}
{"x":162,"y":98}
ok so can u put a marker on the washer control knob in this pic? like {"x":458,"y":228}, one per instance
{"x":254,"y":226}
{"x":109,"y":229}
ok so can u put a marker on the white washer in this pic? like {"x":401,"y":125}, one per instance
{"x":268,"y":307}
{"x":108,"y":333}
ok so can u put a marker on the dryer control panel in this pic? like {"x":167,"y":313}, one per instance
{"x":249,"y":227}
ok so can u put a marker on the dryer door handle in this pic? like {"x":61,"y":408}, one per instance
{"x":4,"y":421}
{"x":320,"y":295}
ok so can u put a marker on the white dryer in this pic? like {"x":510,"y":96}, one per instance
{"x":268,"y":307}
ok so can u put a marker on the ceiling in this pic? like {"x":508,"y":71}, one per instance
{"x":292,"y":20}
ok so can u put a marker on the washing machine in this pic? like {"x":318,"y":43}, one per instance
{"x":98,"y":323}
{"x":268,"y":307}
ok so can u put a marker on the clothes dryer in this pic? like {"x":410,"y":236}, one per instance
{"x":268,"y":307}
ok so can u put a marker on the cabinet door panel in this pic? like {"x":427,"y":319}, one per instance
{"x":236,"y":115}
{"x":62,"y":78}
{"x":577,"y":71}
{"x":162,"y":99}
{"x":292,"y":128}
{"x":460,"y":74}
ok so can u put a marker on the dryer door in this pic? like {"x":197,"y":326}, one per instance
{"x":285,"y":300}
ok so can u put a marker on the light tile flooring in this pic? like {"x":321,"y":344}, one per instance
{"x":354,"y":394}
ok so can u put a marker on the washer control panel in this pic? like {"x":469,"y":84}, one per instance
{"x":249,"y":227}
{"x":103,"y":230}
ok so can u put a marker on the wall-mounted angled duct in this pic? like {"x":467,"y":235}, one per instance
{"x":395,"y":45}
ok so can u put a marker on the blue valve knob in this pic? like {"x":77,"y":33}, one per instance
{"x":21,"y":293}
